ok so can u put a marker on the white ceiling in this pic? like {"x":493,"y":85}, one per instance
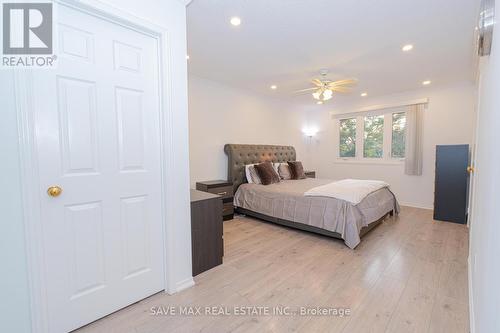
{"x":286,"y":42}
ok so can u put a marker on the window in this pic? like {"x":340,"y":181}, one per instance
{"x":377,"y":136}
{"x":347,"y":146}
{"x":398,"y":135}
{"x":373,"y":144}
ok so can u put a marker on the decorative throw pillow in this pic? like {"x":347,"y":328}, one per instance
{"x":267,"y":173}
{"x":296,"y":170}
{"x":251,"y":174}
{"x":284,"y":171}
{"x":275,"y":166}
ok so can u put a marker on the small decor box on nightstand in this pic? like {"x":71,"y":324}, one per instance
{"x":310,"y":174}
{"x":223,"y":188}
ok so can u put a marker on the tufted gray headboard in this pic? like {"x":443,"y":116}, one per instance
{"x":240,"y":155}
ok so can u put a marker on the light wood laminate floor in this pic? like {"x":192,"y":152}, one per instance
{"x":408,"y":275}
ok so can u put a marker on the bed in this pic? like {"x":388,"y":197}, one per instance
{"x":285,"y":203}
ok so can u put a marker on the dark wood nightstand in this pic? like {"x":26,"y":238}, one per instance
{"x":310,"y":174}
{"x":223,"y":188}
{"x":207,"y":244}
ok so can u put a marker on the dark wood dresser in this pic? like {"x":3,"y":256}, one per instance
{"x":451,"y":183}
{"x":207,"y":244}
{"x":222,"y":188}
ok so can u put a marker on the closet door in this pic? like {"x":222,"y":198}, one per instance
{"x":98,"y":148}
{"x":451,"y":184}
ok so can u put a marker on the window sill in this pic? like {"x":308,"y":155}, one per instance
{"x":369,"y":162}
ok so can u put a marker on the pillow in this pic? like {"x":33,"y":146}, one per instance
{"x":267,"y":173}
{"x":296,"y":170}
{"x":275,"y":166}
{"x":284,"y":171}
{"x":251,"y":174}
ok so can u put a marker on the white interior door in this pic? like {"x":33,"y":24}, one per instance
{"x":98,"y":139}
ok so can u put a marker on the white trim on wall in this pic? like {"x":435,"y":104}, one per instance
{"x":29,"y":164}
{"x":380,"y":107}
{"x":472,"y":324}
{"x":395,"y":105}
{"x":409,"y":204}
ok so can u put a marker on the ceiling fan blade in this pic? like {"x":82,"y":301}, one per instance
{"x":342,"y":86}
{"x":341,"y":90}
{"x":317,"y":82}
{"x":305,"y":90}
{"x":346,"y":82}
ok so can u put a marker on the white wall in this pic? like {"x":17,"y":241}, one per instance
{"x":219,"y":114}
{"x":484,"y":268}
{"x":449,"y":120}
{"x":14,"y":293}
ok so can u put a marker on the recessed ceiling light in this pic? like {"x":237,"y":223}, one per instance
{"x":235,"y":20}
{"x":407,"y":47}
{"x":274,"y":87}
{"x":319,"y":102}
{"x":426,"y":82}
{"x":364,"y":94}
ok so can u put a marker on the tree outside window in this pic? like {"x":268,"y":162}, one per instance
{"x":347,"y":146}
{"x":398,"y":135}
{"x":374,"y":137}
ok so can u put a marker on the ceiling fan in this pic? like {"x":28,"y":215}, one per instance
{"x":324,"y":88}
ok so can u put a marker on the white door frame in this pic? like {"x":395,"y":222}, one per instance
{"x":29,"y":164}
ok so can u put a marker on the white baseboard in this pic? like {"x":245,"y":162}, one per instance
{"x":181,"y":285}
{"x":472,"y":325}
{"x":409,"y":204}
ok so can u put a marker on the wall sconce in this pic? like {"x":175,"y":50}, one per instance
{"x":310,"y":132}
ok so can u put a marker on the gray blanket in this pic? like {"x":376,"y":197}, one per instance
{"x":286,"y":200}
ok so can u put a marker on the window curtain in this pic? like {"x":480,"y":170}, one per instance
{"x":414,"y":139}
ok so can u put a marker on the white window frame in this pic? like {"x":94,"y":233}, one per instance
{"x":360,"y":128}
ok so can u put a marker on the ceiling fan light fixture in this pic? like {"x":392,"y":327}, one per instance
{"x":324,"y":88}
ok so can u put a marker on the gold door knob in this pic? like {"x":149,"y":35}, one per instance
{"x":54,"y":191}
{"x":470,"y":169}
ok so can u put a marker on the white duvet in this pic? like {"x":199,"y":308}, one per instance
{"x":350,"y":190}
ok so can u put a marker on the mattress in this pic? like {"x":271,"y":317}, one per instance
{"x":286,"y":200}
